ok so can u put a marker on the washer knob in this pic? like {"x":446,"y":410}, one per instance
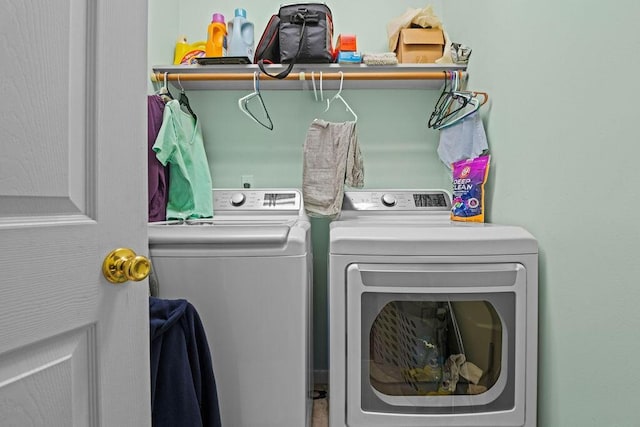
{"x":238,"y":199}
{"x":388,"y":200}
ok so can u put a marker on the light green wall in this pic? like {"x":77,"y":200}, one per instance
{"x":366,"y":19}
{"x":163,"y":31}
{"x":398,"y":148}
{"x":562,"y":130}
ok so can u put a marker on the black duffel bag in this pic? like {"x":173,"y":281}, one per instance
{"x":299,"y":33}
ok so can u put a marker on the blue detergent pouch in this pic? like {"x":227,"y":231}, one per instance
{"x":469,"y":177}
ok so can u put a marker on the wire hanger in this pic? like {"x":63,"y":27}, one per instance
{"x":455,"y":104}
{"x":243,"y":103}
{"x":184,"y":100}
{"x":464,"y":99}
{"x":339,"y":96}
{"x":444,"y":101}
{"x":443,"y":104}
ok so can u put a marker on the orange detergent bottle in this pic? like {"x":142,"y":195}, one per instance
{"x":216,"y":36}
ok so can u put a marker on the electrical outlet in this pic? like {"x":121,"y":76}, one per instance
{"x":247,"y":181}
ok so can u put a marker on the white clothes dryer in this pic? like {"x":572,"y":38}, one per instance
{"x":248,"y":272}
{"x":431,"y":322}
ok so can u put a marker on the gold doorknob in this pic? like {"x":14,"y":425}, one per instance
{"x":123,"y":264}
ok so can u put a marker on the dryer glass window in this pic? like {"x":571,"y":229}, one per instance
{"x":435,"y":348}
{"x":430,"y":343}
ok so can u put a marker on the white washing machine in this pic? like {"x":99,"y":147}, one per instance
{"x":431,"y":322}
{"x":248,"y":272}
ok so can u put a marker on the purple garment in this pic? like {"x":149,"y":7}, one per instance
{"x":158,"y":174}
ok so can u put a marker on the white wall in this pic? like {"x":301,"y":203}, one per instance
{"x":562,"y":130}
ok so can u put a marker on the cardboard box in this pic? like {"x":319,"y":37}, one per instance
{"x":420,"y":45}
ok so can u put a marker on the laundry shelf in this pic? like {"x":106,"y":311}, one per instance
{"x":230,"y":77}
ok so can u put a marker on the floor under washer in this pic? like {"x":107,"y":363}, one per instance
{"x":248,"y":272}
{"x":431,"y":322}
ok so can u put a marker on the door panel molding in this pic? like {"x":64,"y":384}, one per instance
{"x":31,"y":378}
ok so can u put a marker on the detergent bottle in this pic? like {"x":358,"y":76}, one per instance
{"x":186,"y":53}
{"x":240,"y":42}
{"x":216,"y":36}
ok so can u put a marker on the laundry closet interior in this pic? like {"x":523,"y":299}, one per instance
{"x":393,"y":107}
{"x":398,"y":148}
{"x":544,"y":126}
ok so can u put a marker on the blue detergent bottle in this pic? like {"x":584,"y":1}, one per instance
{"x":240,"y":39}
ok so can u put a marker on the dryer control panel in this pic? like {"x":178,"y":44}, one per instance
{"x":397,"y":200}
{"x":251,"y":200}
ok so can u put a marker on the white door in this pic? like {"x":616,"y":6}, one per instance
{"x":73,"y":347}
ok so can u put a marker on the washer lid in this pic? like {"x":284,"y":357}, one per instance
{"x":246,"y":222}
{"x":422,"y":238}
{"x":230,"y":238}
{"x":212,"y":232}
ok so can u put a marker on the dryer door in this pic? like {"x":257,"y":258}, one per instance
{"x":437,"y":344}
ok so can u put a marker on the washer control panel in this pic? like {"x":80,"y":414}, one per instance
{"x":402,"y":200}
{"x":251,"y":200}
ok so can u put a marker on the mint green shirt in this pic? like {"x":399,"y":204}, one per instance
{"x":179,"y":143}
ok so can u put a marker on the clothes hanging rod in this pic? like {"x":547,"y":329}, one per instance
{"x":302,"y":76}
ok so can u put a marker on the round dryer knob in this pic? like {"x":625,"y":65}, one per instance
{"x":238,"y":199}
{"x":388,"y":200}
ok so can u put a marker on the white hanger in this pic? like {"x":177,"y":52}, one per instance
{"x":163,"y":92}
{"x":243,"y":103}
{"x":313,"y":81}
{"x":339,"y":96}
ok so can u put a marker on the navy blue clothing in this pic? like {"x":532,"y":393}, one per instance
{"x":183,"y":387}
